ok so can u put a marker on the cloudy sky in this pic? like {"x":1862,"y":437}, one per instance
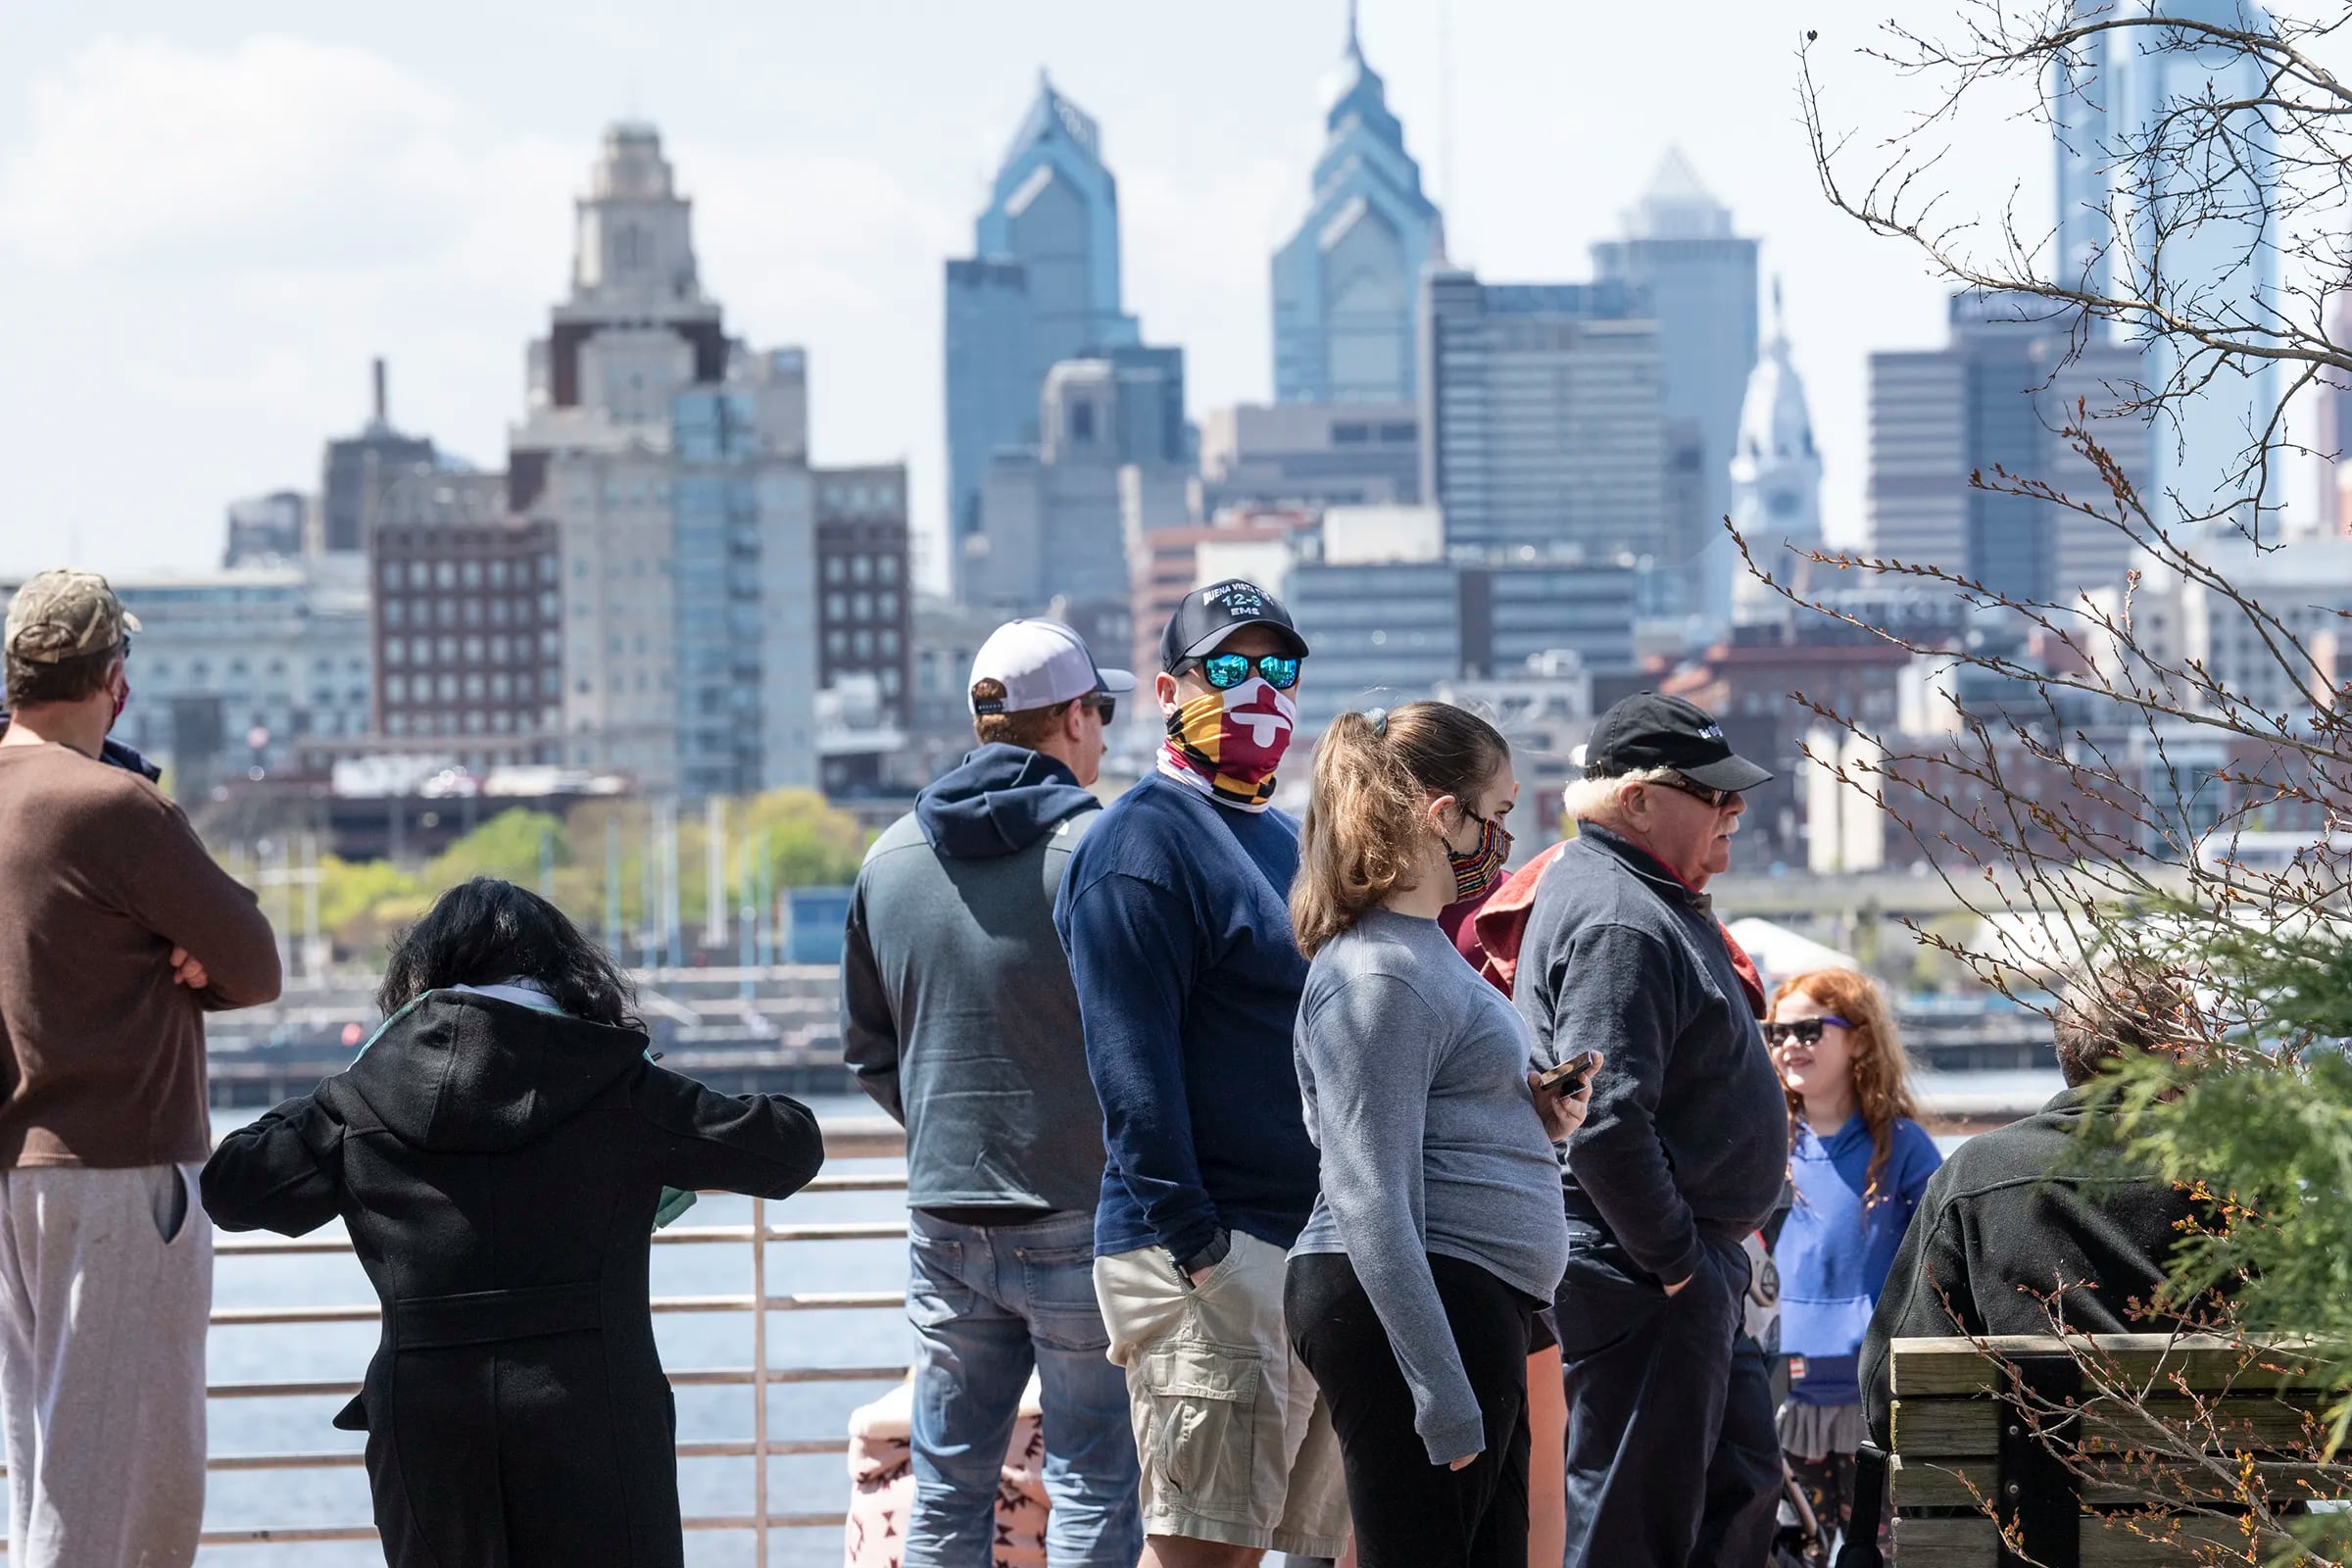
{"x":211,"y":217}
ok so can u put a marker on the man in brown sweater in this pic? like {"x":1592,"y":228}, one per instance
{"x":117,"y":934}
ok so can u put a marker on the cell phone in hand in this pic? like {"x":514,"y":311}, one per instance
{"x":1570,"y":1076}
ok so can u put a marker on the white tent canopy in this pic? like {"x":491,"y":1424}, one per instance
{"x":1781,"y":954}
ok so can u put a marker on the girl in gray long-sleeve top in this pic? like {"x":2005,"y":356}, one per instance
{"x":1437,"y":1231}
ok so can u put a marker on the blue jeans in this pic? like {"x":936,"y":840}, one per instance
{"x":988,"y":1304}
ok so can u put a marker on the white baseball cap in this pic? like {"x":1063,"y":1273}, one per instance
{"x":1040,"y":664}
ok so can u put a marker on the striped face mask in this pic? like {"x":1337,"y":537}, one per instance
{"x":1482,"y":868}
{"x":1227,"y":744}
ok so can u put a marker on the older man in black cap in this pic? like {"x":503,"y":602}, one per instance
{"x":1672,"y":1457}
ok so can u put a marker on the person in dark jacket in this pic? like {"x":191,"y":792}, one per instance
{"x":958,"y":1017}
{"x":2041,"y":1222}
{"x":498,"y":1152}
{"x":1672,"y":1457}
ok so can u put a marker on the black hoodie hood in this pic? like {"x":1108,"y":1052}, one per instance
{"x":1000,"y":801}
{"x":460,"y":1073}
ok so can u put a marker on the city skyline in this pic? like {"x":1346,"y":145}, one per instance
{"x":227,"y":219}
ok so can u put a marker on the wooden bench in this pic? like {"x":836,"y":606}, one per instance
{"x":2099,"y":1450}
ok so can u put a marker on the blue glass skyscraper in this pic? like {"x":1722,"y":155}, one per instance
{"x":2164,"y":198}
{"x":1042,"y":286}
{"x":1347,"y":287}
{"x":2079,"y":115}
{"x":2199,"y":239}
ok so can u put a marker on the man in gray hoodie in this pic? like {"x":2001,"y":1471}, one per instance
{"x":960,"y":1020}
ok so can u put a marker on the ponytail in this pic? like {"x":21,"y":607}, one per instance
{"x":1371,"y":773}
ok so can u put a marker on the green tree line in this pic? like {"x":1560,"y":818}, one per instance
{"x":784,"y":839}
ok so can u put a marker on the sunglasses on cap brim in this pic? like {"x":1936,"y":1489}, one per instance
{"x":1225,"y":672}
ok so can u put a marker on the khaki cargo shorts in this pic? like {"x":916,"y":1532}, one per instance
{"x":1236,"y":1442}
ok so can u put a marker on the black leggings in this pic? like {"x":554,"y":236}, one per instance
{"x":1410,"y":1513}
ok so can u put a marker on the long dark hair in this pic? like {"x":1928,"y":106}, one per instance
{"x":485,"y":931}
{"x":1359,"y":842}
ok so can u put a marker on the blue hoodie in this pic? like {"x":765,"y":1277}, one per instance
{"x":1834,"y":1251}
{"x":956,"y":1010}
{"x":1177,"y":919}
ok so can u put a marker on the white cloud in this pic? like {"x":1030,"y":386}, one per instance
{"x":227,"y":234}
{"x":276,"y":147}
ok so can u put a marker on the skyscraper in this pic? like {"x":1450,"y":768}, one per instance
{"x":1700,"y":279}
{"x":2080,"y":118}
{"x":1347,"y":284}
{"x":1542,"y":419}
{"x":1042,"y":286}
{"x":2194,"y":231}
{"x":1068,"y":517}
{"x":1776,"y":469}
{"x":673,"y":463}
{"x":1993,"y":399}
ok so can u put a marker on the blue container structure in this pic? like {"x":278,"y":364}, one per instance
{"x":815,"y":918}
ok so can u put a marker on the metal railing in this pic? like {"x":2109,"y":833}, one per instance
{"x":869,"y":1139}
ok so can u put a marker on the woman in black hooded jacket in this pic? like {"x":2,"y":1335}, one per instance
{"x":498,"y":1152}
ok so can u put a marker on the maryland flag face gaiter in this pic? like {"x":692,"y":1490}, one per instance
{"x":1228,"y":744}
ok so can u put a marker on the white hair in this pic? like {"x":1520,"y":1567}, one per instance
{"x":1598,"y":799}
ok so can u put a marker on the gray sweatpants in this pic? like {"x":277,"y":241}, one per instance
{"x":106,"y":1280}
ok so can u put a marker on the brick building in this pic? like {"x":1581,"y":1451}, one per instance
{"x":866,"y":593}
{"x":467,"y":631}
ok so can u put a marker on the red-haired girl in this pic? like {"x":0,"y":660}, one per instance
{"x":1860,"y":1161}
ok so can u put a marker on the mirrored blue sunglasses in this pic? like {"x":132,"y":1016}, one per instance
{"x":1228,"y":670}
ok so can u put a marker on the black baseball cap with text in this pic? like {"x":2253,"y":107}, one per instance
{"x":1648,"y":730}
{"x":1208,"y":616}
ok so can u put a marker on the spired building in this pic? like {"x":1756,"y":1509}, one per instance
{"x":1041,"y":286}
{"x":1775,"y":477}
{"x":1700,"y":279}
{"x":1346,"y":285}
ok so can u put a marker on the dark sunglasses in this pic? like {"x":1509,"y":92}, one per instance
{"x":1108,"y":706}
{"x":1225,"y":672}
{"x":1718,"y":798}
{"x":1805,"y":1031}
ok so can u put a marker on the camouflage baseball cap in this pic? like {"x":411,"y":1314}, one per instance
{"x":64,"y":615}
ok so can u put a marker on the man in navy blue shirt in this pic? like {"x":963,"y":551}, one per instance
{"x":1175,"y":912}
